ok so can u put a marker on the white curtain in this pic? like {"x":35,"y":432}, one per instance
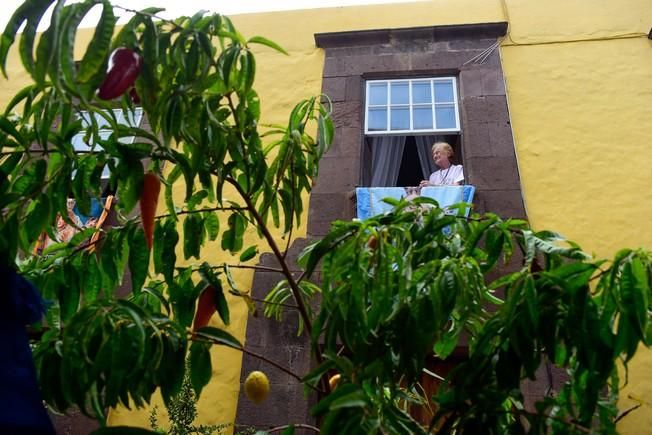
{"x":424,"y":145}
{"x":386,"y":155}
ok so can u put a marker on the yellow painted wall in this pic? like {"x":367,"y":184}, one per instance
{"x":579,"y":84}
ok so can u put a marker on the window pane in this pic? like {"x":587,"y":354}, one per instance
{"x":422,"y":118}
{"x":106,"y":172}
{"x":445,"y":117}
{"x":378,"y":94}
{"x":119,"y":116}
{"x":78,"y":143}
{"x":421,"y":92}
{"x":127,"y":139}
{"x":444,"y":92}
{"x":400,"y":119}
{"x":101,"y":121}
{"x":85,"y":118}
{"x":400,"y":93}
{"x":377,"y":120}
{"x":133,"y":119}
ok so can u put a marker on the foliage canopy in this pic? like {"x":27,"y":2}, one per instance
{"x":394,"y":290}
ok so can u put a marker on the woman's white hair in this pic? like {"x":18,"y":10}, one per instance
{"x":445,"y":146}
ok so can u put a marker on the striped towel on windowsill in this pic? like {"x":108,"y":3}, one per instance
{"x":370,"y":199}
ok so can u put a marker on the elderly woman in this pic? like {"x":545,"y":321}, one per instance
{"x":448,"y":174}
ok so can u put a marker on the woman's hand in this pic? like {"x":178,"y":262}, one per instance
{"x":424,"y":183}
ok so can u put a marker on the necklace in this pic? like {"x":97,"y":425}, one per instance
{"x":443,"y":178}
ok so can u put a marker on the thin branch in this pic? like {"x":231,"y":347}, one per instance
{"x":296,"y":426}
{"x":301,"y":277}
{"x":433,"y":374}
{"x":246,"y":266}
{"x":263,"y":301}
{"x":202,"y":210}
{"x":79,"y":248}
{"x":273,"y":363}
{"x":255,"y":355}
{"x":150,"y":15}
{"x":303,"y":311}
{"x":294,"y":287}
{"x":628,"y":411}
{"x":552,"y":417}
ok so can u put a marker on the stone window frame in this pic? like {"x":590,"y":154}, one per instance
{"x":485,"y":143}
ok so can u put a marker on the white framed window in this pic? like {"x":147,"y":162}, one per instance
{"x":128,"y":118}
{"x":423,"y":105}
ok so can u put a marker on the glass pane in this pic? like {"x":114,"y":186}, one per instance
{"x":78,"y":143}
{"x":127,"y":139}
{"x":133,"y":119}
{"x":377,"y":94}
{"x":106,"y":172}
{"x":85,"y":118}
{"x":400,"y":93}
{"x":421,"y":92}
{"x":444,"y":92}
{"x":400,"y":119}
{"x":377,"y":120}
{"x":445,"y":116}
{"x":119,"y":116}
{"x":422,"y":118}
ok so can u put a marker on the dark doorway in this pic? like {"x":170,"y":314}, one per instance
{"x":410,"y":173}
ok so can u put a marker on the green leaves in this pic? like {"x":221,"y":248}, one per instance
{"x":138,"y":259}
{"x":165,"y":241}
{"x":248,"y":253}
{"x":219,"y":299}
{"x":219,"y":336}
{"x":200,"y":366}
{"x":193,"y":235}
{"x":232,"y":237}
{"x":31,"y":13}
{"x":396,"y":288}
{"x":94,"y":61}
{"x":201,"y":123}
{"x":104,"y":349}
{"x":264,"y":41}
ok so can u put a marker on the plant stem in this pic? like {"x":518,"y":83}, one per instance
{"x":294,"y":287}
{"x":201,"y":211}
{"x":256,"y":355}
{"x":296,"y":425}
{"x":246,"y":266}
{"x":296,"y":292}
{"x":263,"y":301}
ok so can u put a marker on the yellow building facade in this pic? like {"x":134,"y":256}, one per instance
{"x":578,"y":83}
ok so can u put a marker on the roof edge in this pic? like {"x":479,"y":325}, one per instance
{"x":380,"y":36}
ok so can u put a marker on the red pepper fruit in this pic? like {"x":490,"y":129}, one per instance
{"x":148,"y":202}
{"x":124,"y":67}
{"x":205,"y":308}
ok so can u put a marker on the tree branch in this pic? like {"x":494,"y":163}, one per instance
{"x":256,"y":355}
{"x":202,"y":210}
{"x":296,"y":292}
{"x":296,"y":425}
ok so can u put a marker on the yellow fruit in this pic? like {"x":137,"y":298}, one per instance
{"x":256,"y":386}
{"x":333,"y":381}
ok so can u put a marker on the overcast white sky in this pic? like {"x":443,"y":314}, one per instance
{"x":176,"y":8}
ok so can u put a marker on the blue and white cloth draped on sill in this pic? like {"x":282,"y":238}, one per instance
{"x":370,"y":199}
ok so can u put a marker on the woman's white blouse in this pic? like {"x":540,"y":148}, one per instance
{"x":452,"y":175}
